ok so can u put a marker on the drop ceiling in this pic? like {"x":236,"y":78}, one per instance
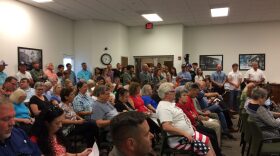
{"x":187,"y":12}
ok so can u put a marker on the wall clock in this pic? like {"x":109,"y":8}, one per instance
{"x":106,"y":59}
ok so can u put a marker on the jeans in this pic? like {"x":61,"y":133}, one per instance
{"x":233,"y":102}
{"x":217,"y":109}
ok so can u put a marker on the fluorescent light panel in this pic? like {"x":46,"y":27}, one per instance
{"x":219,"y":12}
{"x":42,"y":1}
{"x":152,"y":17}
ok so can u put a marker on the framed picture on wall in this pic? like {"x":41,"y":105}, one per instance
{"x":209,"y":62}
{"x":245,"y":61}
{"x":30,"y":55}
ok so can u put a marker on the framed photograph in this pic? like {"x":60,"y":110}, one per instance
{"x":30,"y":55}
{"x":245,"y":61}
{"x":209,"y":62}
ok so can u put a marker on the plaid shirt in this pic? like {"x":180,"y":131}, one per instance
{"x":83,"y":103}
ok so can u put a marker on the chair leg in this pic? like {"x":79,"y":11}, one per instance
{"x":248,"y":152}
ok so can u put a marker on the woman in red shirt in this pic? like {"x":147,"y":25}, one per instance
{"x":134,"y":94}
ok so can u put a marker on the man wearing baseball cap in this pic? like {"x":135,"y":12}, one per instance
{"x":3,"y":75}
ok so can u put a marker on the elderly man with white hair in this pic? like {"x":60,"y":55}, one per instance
{"x":175,"y":122}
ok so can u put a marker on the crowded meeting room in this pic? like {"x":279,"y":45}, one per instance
{"x":139,"y":78}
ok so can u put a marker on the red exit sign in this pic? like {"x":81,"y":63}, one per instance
{"x":149,"y":26}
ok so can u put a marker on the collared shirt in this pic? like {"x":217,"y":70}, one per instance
{"x":18,"y":144}
{"x":29,"y":93}
{"x":234,"y":77}
{"x":145,"y":77}
{"x":20,"y":75}
{"x":51,"y":75}
{"x":253,"y":75}
{"x":83,"y":103}
{"x":72,"y":77}
{"x":37,"y":75}
{"x":84,"y":74}
{"x":219,"y":77}
{"x":185,"y":75}
{"x":3,"y":77}
{"x":103,"y":111}
{"x":126,"y":78}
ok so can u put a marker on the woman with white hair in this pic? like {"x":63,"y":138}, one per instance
{"x":175,"y":122}
{"x":22,"y":117}
{"x":146,"y":93}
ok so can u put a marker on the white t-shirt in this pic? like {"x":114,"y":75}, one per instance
{"x":20,"y":75}
{"x":253,"y":75}
{"x":234,"y":77}
{"x":169,"y":112}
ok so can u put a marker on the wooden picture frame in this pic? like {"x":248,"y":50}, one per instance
{"x":30,"y":55}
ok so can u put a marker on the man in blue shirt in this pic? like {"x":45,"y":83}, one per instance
{"x":13,"y":141}
{"x":84,"y":74}
{"x":3,"y":75}
{"x":218,"y":79}
{"x":185,"y":75}
{"x":72,"y":75}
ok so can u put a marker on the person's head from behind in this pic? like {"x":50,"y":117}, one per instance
{"x":219,"y":67}
{"x":193,"y":89}
{"x":259,"y":95}
{"x":166,"y":91}
{"x":255,"y":65}
{"x":67,"y":95}
{"x":134,"y":88}
{"x":147,"y":90}
{"x":122,"y":95}
{"x":10,"y":83}
{"x":234,"y":67}
{"x":24,"y":83}
{"x":48,"y":86}
{"x":102,"y":93}
{"x":18,"y":96}
{"x":137,"y":138}
{"x":84,"y":66}
{"x":90,"y":83}
{"x":7,"y":115}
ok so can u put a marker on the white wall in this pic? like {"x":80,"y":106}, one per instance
{"x":92,"y":36}
{"x":162,"y":40}
{"x":235,"y":39}
{"x":27,"y":26}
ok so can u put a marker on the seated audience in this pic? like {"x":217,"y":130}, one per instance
{"x":90,"y":87}
{"x":22,"y":73}
{"x":55,"y":98}
{"x":38,"y":102}
{"x":37,"y":73}
{"x":146,"y":93}
{"x":245,"y":95}
{"x":262,"y":116}
{"x":175,"y":122}
{"x":13,"y":141}
{"x":199,"y":75}
{"x":24,"y":85}
{"x":83,"y":103}
{"x":137,"y":140}
{"x":48,"y":90}
{"x":121,"y":102}
{"x":9,"y":86}
{"x":47,"y":133}
{"x":73,"y":124}
{"x":134,"y":95}
{"x":68,"y":84}
{"x":22,"y":118}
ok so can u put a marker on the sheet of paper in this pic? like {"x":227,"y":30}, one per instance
{"x":95,"y":151}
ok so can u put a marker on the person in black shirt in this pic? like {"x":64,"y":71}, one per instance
{"x":121,"y":102}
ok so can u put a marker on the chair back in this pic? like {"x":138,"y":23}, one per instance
{"x":164,"y":140}
{"x":257,"y":137}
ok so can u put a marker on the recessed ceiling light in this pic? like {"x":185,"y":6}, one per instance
{"x":219,"y":12}
{"x":42,"y":1}
{"x":152,"y":17}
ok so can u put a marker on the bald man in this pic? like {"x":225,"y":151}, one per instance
{"x":218,"y":79}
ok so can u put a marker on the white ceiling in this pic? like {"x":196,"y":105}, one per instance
{"x":187,"y":12}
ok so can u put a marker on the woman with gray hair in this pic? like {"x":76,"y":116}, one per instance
{"x":22,"y":117}
{"x":175,"y":122}
{"x":146,"y":93}
{"x":263,"y":117}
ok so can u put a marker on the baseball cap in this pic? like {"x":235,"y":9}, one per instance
{"x":22,"y":64}
{"x":2,"y":63}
